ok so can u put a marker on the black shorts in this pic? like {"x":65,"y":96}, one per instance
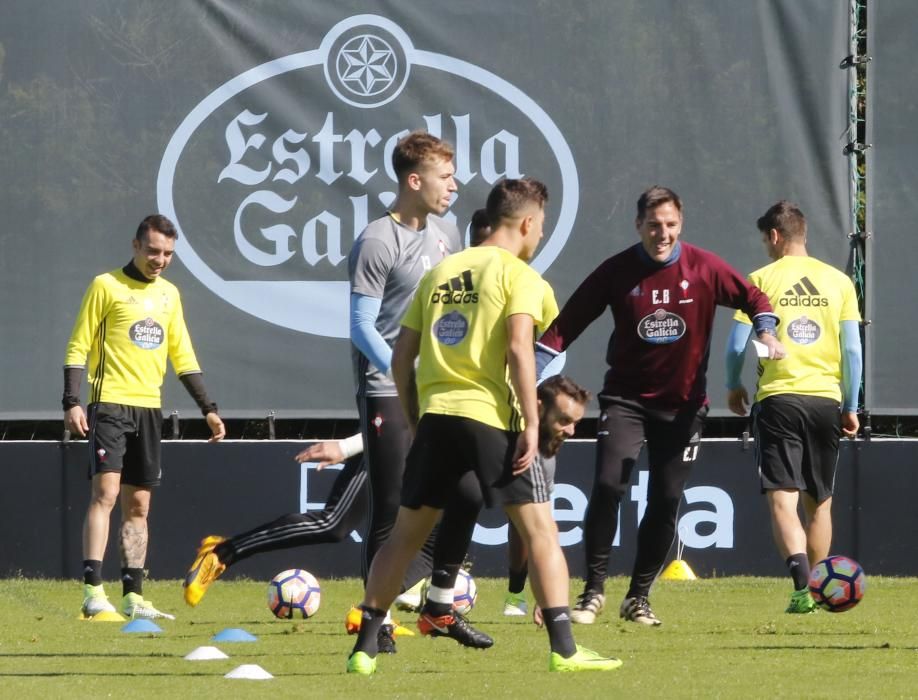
{"x":126,"y":439}
{"x":534,"y":485}
{"x":796,"y":443}
{"x":445,"y":448}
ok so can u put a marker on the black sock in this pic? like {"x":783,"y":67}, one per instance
{"x":369,"y":629}
{"x":92,"y":572}
{"x":560,"y":634}
{"x":131,"y":581}
{"x":799,"y":567}
{"x":517,"y":580}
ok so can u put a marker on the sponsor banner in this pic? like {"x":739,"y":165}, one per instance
{"x":265,"y":132}
{"x":722,"y":521}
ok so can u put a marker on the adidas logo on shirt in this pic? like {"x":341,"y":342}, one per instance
{"x":457,"y":290}
{"x":804,"y":293}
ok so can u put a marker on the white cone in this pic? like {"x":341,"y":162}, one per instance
{"x":205,"y":654}
{"x":252,"y":672}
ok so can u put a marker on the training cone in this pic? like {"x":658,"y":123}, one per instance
{"x":141,"y":626}
{"x":205,"y":654}
{"x":251,"y":672}
{"x":234,"y":634}
{"x":678,"y":570}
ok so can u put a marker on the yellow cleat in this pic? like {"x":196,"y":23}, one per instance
{"x":206,"y":569}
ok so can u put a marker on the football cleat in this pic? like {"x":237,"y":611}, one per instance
{"x":582,"y":660}
{"x":385,"y":639}
{"x":454,"y":626}
{"x":134,"y":606}
{"x":412,"y":599}
{"x":515,"y":605}
{"x":801,"y":602}
{"x":637,"y":609}
{"x":206,"y":569}
{"x":589,"y":605}
{"x":360,"y":663}
{"x":95,"y":601}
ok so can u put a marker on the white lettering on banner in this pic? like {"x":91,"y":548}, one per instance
{"x":569,"y":506}
{"x":367,"y":62}
{"x":688,"y":526}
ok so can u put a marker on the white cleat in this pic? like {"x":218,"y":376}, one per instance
{"x":135,"y":607}
{"x":95,"y":601}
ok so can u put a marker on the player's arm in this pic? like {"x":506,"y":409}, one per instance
{"x":737,"y":398}
{"x":852,"y":367}
{"x":407,"y":348}
{"x":731,"y":289}
{"x":521,"y":362}
{"x":92,"y":311}
{"x":364,"y":310}
{"x":330,"y":452}
{"x":183,"y":359}
{"x":585,"y":305}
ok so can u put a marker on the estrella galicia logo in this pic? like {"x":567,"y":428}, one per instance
{"x":272,"y":176}
{"x":803,"y":331}
{"x":451,"y":328}
{"x":147,"y":334}
{"x":456,"y":290}
{"x":661,"y":327}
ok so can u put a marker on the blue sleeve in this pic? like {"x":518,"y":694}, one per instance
{"x":736,"y":353}
{"x":852,"y":363}
{"x":364,"y":311}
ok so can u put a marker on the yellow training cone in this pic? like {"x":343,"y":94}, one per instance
{"x":678,"y":570}
{"x":104,"y":616}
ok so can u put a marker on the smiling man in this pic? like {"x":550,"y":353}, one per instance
{"x":662,"y":294}
{"x":129,"y":324}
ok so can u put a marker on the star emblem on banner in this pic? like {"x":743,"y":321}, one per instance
{"x":369,"y":65}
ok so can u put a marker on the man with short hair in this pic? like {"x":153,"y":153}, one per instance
{"x":662,"y":294}
{"x":805,"y":401}
{"x":473,"y":400}
{"x":384,"y":267}
{"x":130,"y":322}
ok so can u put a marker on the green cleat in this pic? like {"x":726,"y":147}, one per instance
{"x":582,"y":660}
{"x":515,"y":605}
{"x":801,"y":602}
{"x":360,"y":663}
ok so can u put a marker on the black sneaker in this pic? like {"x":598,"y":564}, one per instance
{"x":589,"y":605}
{"x":385,"y":640}
{"x":454,"y":626}
{"x":637,"y":609}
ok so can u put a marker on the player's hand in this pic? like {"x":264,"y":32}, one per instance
{"x":217,"y":429}
{"x":323,"y":453}
{"x":75,"y":421}
{"x":849,"y":424}
{"x":527,"y":444}
{"x":776,"y":350}
{"x":537,"y":618}
{"x":738,"y":400}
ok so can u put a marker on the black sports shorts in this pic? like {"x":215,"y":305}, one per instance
{"x":796,"y":443}
{"x":126,"y":439}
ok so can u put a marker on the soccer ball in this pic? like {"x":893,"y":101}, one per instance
{"x":837,"y":583}
{"x":465,"y":592}
{"x":294,"y":593}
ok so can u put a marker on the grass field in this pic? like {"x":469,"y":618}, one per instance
{"x":726,"y":638}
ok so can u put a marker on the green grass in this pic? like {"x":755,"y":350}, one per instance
{"x":725,"y":638}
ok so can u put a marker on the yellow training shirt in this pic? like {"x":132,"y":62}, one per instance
{"x":461,"y":309}
{"x":812,"y":299}
{"x":128,"y":328}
